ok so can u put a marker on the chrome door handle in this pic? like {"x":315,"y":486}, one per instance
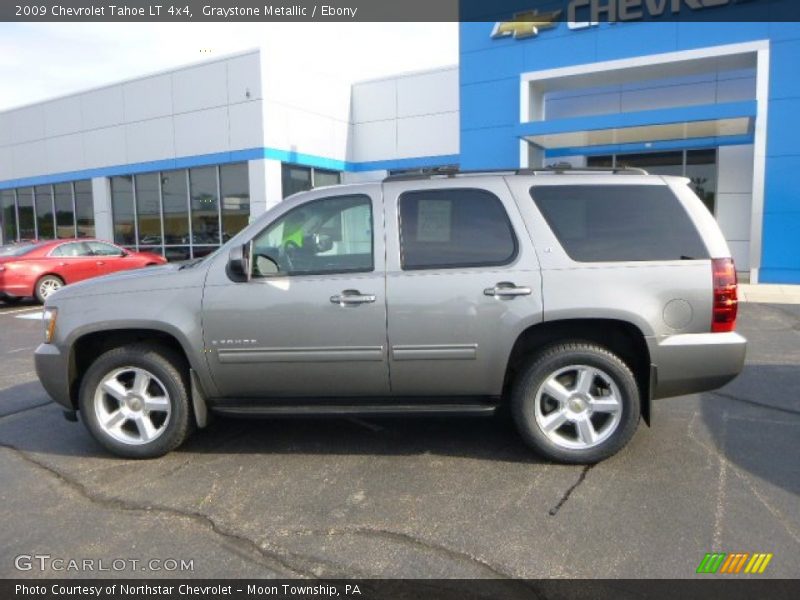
{"x":506,"y":289}
{"x":352,"y":297}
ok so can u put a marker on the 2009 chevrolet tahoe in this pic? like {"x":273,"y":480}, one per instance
{"x":576,"y":297}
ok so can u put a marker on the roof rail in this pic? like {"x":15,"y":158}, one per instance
{"x":557,"y":169}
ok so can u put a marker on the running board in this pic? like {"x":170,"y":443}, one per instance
{"x":362,"y":410}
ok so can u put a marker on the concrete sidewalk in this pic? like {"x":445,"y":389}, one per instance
{"x":769,"y":294}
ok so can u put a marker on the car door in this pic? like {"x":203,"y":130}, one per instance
{"x":463,"y":282}
{"x":110,"y":258}
{"x":73,"y":261}
{"x":311,"y":322}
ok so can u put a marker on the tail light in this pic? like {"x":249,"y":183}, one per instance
{"x":726,"y":301}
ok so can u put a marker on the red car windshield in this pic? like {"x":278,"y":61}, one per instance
{"x":18,"y":249}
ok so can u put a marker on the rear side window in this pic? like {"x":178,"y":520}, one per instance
{"x":613,"y":223}
{"x":71,"y":250}
{"x":454,"y":228}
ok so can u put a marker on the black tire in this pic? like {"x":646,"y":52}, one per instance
{"x":171,"y":374}
{"x":561,"y":357}
{"x":40,"y":297}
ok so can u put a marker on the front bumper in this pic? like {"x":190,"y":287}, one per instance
{"x":52,"y":368}
{"x":693,"y":363}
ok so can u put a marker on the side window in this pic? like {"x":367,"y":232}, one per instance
{"x":454,"y":228}
{"x":331,"y":235}
{"x":71,"y":250}
{"x":619,"y":223}
{"x":101,"y":249}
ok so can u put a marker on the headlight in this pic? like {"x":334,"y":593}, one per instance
{"x":49,"y":321}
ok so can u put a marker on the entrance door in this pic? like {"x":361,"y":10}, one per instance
{"x":700,"y":166}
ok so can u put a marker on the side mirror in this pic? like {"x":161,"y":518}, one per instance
{"x":239,"y":261}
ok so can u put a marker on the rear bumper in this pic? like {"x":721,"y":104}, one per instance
{"x":53,"y":371}
{"x":693,"y":363}
{"x":15,"y":290}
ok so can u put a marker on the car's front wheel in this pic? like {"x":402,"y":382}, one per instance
{"x":135,"y":402}
{"x":576,"y":403}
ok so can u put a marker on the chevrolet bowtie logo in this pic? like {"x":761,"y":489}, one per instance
{"x":526,"y":24}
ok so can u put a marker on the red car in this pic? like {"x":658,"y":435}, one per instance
{"x":40,"y":268}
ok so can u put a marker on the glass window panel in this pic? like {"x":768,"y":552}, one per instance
{"x":84,"y":208}
{"x":200,"y":251}
{"x":619,"y":222}
{"x":295,"y":179}
{"x":454,"y":228}
{"x":235,"y":186}
{"x":600,"y":161}
{"x":148,"y":209}
{"x":656,"y":163}
{"x":332,"y":235}
{"x":176,"y":253}
{"x":701,"y":169}
{"x":175,"y":197}
{"x":44,"y":212}
{"x":9,"y":215}
{"x":65,"y":215}
{"x":323,"y":177}
{"x":205,"y":205}
{"x":27,"y":219}
{"x":122,"y":210}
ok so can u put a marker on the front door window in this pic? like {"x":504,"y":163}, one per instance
{"x":332,"y":235}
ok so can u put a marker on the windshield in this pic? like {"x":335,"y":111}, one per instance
{"x":17,"y":249}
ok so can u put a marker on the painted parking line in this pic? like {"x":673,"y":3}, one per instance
{"x":32,"y":316}
{"x":20,"y":310}
{"x":18,"y":350}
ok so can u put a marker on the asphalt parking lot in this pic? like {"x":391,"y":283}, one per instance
{"x":412,"y":498}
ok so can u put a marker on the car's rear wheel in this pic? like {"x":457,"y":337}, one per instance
{"x":576,"y":403}
{"x":46,"y":286}
{"x":134,"y":400}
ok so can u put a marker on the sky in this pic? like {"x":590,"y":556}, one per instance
{"x":44,"y":60}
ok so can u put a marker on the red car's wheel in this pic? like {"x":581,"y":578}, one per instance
{"x":46,"y":286}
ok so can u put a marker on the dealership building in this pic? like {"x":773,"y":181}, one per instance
{"x":180,"y":160}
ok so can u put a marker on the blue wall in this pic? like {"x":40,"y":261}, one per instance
{"x":490,"y":90}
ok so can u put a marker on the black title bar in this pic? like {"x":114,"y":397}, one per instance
{"x":729,"y":588}
{"x":398,"y":10}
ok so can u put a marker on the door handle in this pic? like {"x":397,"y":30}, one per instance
{"x":352,"y":298}
{"x":100,"y":262}
{"x":506,"y":289}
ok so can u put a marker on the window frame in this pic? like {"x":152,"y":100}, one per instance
{"x":440,"y":267}
{"x":371,"y":269}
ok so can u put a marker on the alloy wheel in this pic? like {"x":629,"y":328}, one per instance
{"x":48,"y":286}
{"x":132,"y":405}
{"x":578,"y":407}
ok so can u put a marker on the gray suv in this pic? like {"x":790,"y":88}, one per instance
{"x":573,"y":297}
